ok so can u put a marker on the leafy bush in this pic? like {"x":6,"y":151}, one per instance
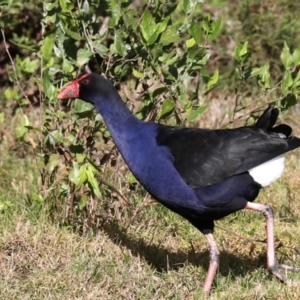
{"x":157,"y":54}
{"x":157,"y":51}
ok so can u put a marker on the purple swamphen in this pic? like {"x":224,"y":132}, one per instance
{"x":201,"y":174}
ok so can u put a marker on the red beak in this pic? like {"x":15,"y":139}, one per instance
{"x":70,"y":91}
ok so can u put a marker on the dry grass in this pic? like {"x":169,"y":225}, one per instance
{"x":159,"y":256}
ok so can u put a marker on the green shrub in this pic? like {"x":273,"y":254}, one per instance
{"x":158,"y":54}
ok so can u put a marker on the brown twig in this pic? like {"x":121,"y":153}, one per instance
{"x":6,"y":46}
{"x":256,"y":107}
{"x":145,"y":203}
{"x":115,"y":190}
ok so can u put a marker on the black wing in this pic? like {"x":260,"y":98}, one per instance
{"x":203,"y":156}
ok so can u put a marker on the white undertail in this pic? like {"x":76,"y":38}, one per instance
{"x":268,"y":172}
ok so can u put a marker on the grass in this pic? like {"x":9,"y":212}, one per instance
{"x":154,"y":254}
{"x":158,"y":256}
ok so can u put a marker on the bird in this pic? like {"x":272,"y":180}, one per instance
{"x":201,"y":174}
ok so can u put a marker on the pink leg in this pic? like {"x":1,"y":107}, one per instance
{"x":213,"y":262}
{"x":272,"y":262}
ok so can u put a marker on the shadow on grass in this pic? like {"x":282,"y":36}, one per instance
{"x":163,"y":260}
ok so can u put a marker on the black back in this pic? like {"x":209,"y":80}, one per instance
{"x":203,"y":157}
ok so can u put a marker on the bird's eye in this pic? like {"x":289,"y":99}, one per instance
{"x":85,"y":81}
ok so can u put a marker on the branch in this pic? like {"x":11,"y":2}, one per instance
{"x":13,"y":65}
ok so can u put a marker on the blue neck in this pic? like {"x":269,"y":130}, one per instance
{"x":120,"y":121}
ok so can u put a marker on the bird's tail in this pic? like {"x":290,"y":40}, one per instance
{"x":268,"y":119}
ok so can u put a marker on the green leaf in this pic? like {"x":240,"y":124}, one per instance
{"x":63,"y":4}
{"x":190,"y":43}
{"x":168,"y":56}
{"x":74,"y":174}
{"x":83,"y":56}
{"x":263,"y":75}
{"x":202,"y":61}
{"x":197,"y":53}
{"x":161,"y":27}
{"x":287,"y":82}
{"x":82,"y":176}
{"x":214,"y":79}
{"x":116,"y":13}
{"x":82,"y":106}
{"x":169,"y":76}
{"x":167,"y":108}
{"x":170,"y":36}
{"x":151,"y":30}
{"x":296,"y":57}
{"x":49,"y":63}
{"x":137,"y":74}
{"x":296,"y":81}
{"x":26,"y":47}
{"x":57,"y":51}
{"x":186,"y":6}
{"x":119,"y":44}
{"x":152,"y":38}
{"x":206,"y":24}
{"x":121,"y":70}
{"x":131,"y":179}
{"x":49,"y":6}
{"x":56,"y":136}
{"x":130,"y":18}
{"x":158,"y":29}
{"x":286,"y":57}
{"x":159,"y":91}
{"x":22,"y":129}
{"x":47,"y":47}
{"x":48,"y":87}
{"x":244,"y":49}
{"x":100,"y":48}
{"x":288,"y":101}
{"x":92,"y":181}
{"x":80,"y":157}
{"x":67,"y":66}
{"x":37,"y":197}
{"x":8,"y":93}
{"x":148,"y":25}
{"x":72,"y":34}
{"x":190,"y":5}
{"x":195,"y":31}
{"x":241,"y":51}
{"x":86,"y":7}
{"x":259,"y":71}
{"x":215,"y":29}
{"x":237,"y":53}
{"x":30,"y":65}
{"x":53,"y":162}
{"x":196,"y":112}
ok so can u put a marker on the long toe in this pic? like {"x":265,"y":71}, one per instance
{"x":288,"y":268}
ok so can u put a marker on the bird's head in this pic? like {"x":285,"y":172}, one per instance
{"x":89,"y":87}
